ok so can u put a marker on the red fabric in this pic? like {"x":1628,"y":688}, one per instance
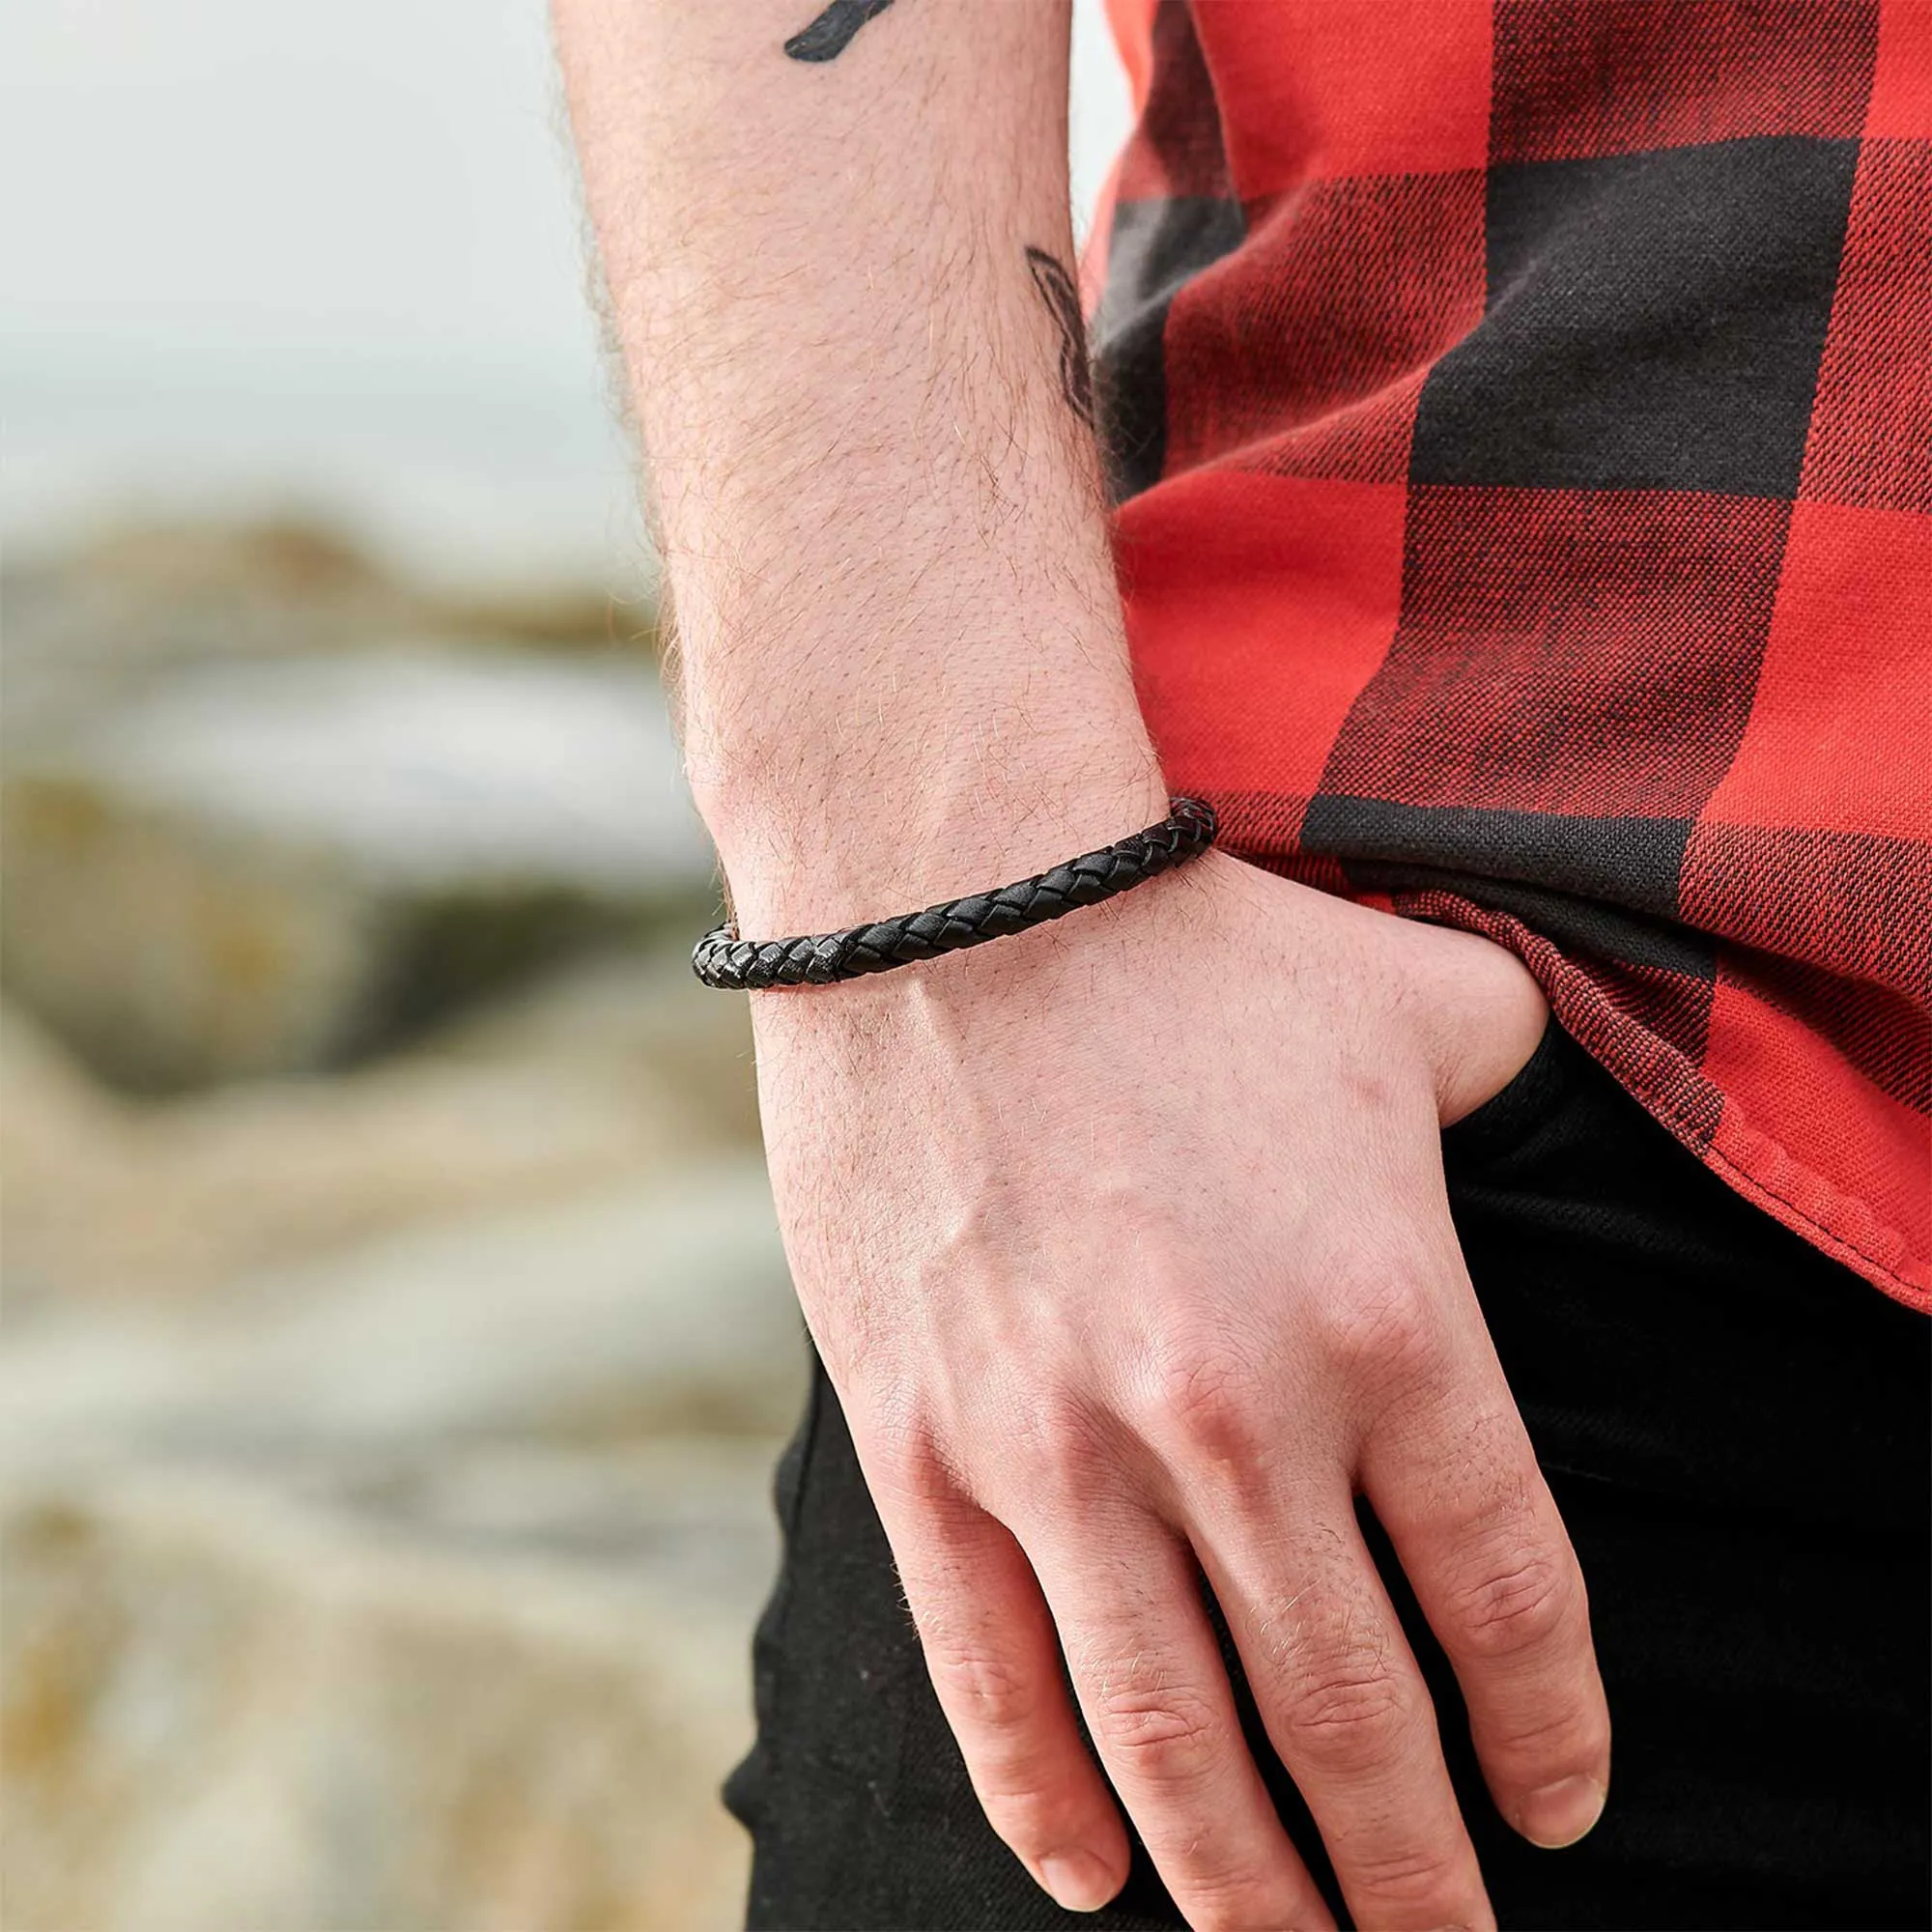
{"x":1313,"y":335}
{"x":1871,"y":424}
{"x":1520,"y":415}
{"x":1590,"y":79}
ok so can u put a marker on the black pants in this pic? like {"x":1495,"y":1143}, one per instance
{"x":1736,"y":1429}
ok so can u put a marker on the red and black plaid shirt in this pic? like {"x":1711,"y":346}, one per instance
{"x":1520,"y":413}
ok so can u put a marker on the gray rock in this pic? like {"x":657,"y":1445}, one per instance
{"x":606,"y":1316}
{"x":90,"y":626}
{"x":224,"y":1707}
{"x":258,"y":867}
{"x":608,"y":1073}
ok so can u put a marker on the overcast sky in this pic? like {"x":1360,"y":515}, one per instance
{"x":326,"y":254}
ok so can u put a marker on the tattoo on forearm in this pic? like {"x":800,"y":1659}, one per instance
{"x":831,"y":34}
{"x":1061,"y":297}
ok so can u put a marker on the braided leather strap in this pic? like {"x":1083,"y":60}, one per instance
{"x":721,"y":958}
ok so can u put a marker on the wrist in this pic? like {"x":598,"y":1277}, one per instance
{"x":841,"y":848}
{"x":914,"y":732}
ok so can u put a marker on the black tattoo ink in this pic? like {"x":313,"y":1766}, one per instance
{"x":831,"y":34}
{"x":1062,"y":303}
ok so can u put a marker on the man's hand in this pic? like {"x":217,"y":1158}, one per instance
{"x":1125,"y":1240}
{"x":1126,"y":1248}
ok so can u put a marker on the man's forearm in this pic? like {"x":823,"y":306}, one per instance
{"x":841,"y":279}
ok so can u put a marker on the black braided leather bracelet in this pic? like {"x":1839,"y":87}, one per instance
{"x":721,"y":958}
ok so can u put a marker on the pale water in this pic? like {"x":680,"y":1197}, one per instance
{"x":260,"y":259}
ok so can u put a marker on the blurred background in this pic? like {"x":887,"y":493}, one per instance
{"x":394,"y":1337}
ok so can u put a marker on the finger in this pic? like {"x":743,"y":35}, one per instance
{"x":995,"y":1665}
{"x":1344,"y":1704}
{"x":1157,"y":1702}
{"x":1455,"y":1483}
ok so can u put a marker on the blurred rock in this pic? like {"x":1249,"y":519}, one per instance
{"x":223,"y":1708}
{"x":264,"y":868}
{"x":604,"y":1317}
{"x":612,"y":1070}
{"x":694,"y":1511}
{"x":88,"y":627}
{"x":60,"y":1136}
{"x":562,"y":616}
{"x":362,"y":1565}
{"x":276,"y":561}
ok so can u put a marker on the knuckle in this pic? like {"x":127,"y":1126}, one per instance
{"x":1236,"y":1903}
{"x":1347,"y":1708}
{"x":902,"y":1457}
{"x":1567,"y":1732}
{"x":1204,"y":1400}
{"x":1517,"y":1605}
{"x":1413,"y":1884}
{"x":1230,"y":1913}
{"x":1027,"y":1815}
{"x":1567,"y":1724}
{"x":1382,"y":1329}
{"x":1061,"y":1442}
{"x":1163,"y":1732}
{"x":981,"y":1687}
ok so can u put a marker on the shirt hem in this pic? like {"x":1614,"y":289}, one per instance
{"x":1841,"y":1225}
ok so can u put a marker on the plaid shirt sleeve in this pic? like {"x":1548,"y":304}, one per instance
{"x":1520,"y":415}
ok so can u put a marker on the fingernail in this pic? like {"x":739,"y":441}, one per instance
{"x":1077,"y":1879}
{"x":1561,"y":1813}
